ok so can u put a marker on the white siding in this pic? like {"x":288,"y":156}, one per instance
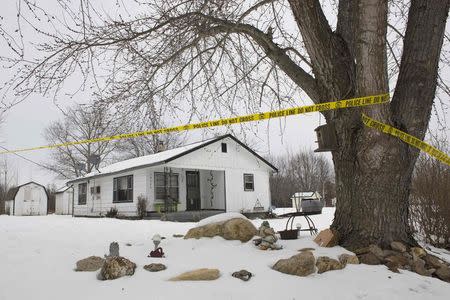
{"x":100,"y":204}
{"x":236,"y":162}
{"x":31,"y":200}
{"x":228,"y":171}
{"x":63,"y":202}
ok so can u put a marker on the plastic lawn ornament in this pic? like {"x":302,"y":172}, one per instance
{"x":158,"y":252}
{"x":156,"y":240}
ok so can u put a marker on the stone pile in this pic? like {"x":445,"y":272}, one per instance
{"x":267,"y":238}
{"x":403,"y":257}
{"x":304,"y":263}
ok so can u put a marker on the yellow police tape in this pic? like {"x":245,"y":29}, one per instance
{"x":354,"y":102}
{"x":407,"y":138}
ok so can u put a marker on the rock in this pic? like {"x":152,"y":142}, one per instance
{"x":418,"y":266}
{"x":270,"y":239}
{"x":116,"y":267}
{"x":306,"y":249}
{"x":387,"y":253}
{"x":239,"y":229}
{"x":242,"y":275}
{"x":398,"y":246}
{"x":90,"y":264}
{"x":266,"y":231}
{"x":233,"y":229}
{"x":325,"y":264}
{"x":418,"y":252}
{"x":113,"y":249}
{"x":263,"y":247}
{"x":377,"y":251}
{"x":155,"y":267}
{"x":178,"y":235}
{"x":392,"y":266}
{"x":433,"y":261}
{"x":257,"y":241}
{"x":301,"y":264}
{"x":397,"y":259}
{"x":369,"y":259}
{"x":200,"y":274}
{"x":443,"y":273}
{"x":362,"y":251}
{"x":345,"y":259}
{"x":327,"y":238}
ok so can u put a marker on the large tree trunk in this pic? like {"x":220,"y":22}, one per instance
{"x":373,"y":170}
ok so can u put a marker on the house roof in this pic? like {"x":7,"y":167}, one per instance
{"x":12,"y":192}
{"x":162,"y":158}
{"x":63,"y":189}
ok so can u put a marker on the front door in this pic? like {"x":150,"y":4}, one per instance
{"x":192,"y":190}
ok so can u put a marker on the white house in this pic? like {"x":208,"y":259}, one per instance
{"x":64,"y":200}
{"x":29,"y":199}
{"x":216,"y":174}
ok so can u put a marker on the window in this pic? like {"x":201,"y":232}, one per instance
{"x":249,"y":182}
{"x":168,"y":183}
{"x":123,"y":189}
{"x":82,"y":193}
{"x":27,"y":193}
{"x":95,"y":190}
{"x":224,"y":147}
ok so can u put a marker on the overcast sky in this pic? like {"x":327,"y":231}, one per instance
{"x":25,"y":123}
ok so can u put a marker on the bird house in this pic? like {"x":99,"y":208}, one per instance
{"x":326,"y":138}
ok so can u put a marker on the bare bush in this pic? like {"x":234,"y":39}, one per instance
{"x":430,"y":200}
{"x":141,"y":206}
{"x":112,"y":213}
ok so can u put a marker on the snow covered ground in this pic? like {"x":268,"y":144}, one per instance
{"x":38,"y":255}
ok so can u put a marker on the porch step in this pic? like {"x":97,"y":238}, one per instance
{"x":183,"y":216}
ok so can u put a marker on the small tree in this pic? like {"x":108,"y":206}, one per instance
{"x":80,"y":123}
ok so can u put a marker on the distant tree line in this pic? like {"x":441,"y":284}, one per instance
{"x":303,"y":171}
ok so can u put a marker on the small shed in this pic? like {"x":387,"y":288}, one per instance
{"x":64,"y":201}
{"x":299,"y":196}
{"x":29,"y":199}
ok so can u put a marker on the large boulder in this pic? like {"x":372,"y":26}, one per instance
{"x":418,"y":252}
{"x":434,"y":261}
{"x":325,"y":264}
{"x":90,"y":264}
{"x":345,"y":259}
{"x":443,"y":273}
{"x":398,"y":246}
{"x":116,"y":267}
{"x":369,"y":259}
{"x":200,"y":274}
{"x":301,"y":264}
{"x":233,"y":229}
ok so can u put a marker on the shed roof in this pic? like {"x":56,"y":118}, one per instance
{"x":162,"y":158}
{"x":305,"y":194}
{"x":12,"y":192}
